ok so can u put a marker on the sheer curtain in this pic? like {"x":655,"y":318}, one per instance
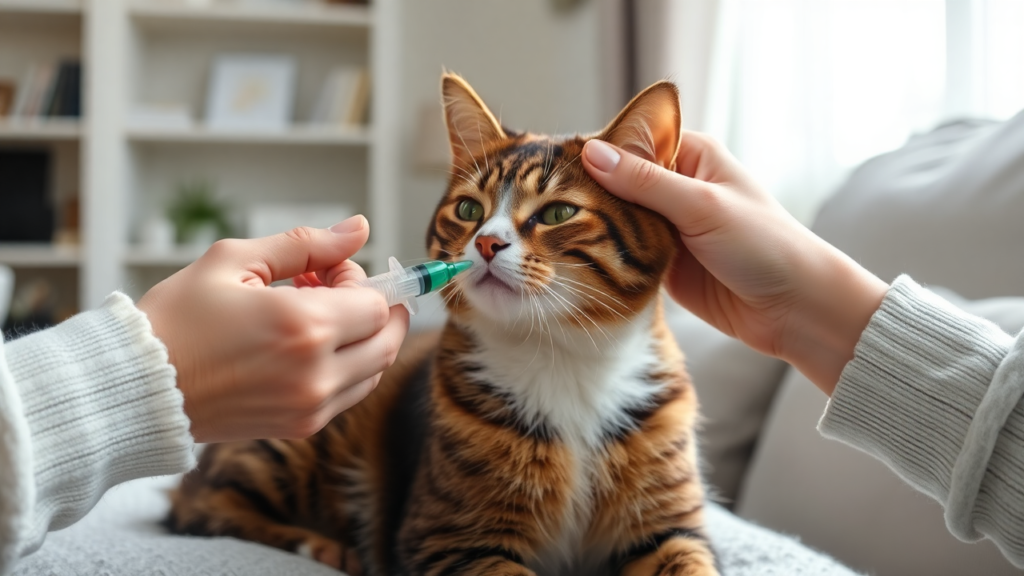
{"x":802,"y":91}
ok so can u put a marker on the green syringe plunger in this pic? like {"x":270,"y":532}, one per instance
{"x":402,"y":285}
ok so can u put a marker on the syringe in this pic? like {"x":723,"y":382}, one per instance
{"x":401,"y":285}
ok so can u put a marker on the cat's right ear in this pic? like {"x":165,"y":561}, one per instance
{"x":471,"y":126}
{"x":650,"y":125}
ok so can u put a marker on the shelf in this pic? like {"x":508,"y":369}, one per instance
{"x":312,"y":14}
{"x":183,"y":256}
{"x":41,"y":6}
{"x":39,"y":129}
{"x":297,"y":136}
{"x":39,"y":255}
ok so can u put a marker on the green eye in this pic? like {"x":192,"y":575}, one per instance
{"x":470,"y":210}
{"x":557,"y":213}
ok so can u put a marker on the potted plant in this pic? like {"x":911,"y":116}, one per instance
{"x":200,"y":220}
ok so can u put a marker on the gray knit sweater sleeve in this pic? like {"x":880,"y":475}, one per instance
{"x":935,"y":393}
{"x":83,"y":406}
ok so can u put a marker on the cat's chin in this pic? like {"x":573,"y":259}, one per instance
{"x":494,"y":299}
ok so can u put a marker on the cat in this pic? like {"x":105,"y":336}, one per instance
{"x":547,"y":430}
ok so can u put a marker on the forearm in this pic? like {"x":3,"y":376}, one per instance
{"x":838,"y":299}
{"x":100,"y":406}
{"x":935,"y":394}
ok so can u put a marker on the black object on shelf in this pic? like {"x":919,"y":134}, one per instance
{"x":26,"y":214}
{"x":66,"y":94}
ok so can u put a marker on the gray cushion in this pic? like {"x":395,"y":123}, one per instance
{"x":947,"y":209}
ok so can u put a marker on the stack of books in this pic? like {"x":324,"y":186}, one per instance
{"x":50,"y":90}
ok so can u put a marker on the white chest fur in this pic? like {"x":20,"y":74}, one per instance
{"x":580,"y":390}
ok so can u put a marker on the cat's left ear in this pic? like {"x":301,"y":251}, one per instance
{"x":650,"y":125}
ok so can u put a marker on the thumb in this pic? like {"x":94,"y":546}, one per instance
{"x":303,"y":249}
{"x":684,"y":201}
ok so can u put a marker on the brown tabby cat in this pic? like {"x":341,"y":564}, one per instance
{"x":548,"y":429}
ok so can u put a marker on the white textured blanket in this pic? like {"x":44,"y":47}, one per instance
{"x":121,"y":537}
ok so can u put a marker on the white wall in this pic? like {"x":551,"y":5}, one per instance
{"x":543,"y":69}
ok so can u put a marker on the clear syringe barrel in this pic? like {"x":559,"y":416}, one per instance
{"x":397,"y":286}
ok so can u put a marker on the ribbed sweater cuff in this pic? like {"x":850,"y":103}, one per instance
{"x":911,"y":394}
{"x":102,"y":406}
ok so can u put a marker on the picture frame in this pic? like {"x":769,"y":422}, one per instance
{"x":251,"y":92}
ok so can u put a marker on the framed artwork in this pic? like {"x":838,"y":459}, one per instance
{"x":251,"y":92}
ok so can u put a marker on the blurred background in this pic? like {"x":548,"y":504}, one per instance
{"x":134,"y":133}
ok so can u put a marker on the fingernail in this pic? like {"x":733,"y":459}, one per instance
{"x":602,"y":156}
{"x":353,"y":224}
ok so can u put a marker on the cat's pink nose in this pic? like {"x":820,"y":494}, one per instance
{"x":488,"y":246}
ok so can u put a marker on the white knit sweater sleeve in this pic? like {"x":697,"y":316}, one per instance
{"x":83,"y":406}
{"x":935,"y":393}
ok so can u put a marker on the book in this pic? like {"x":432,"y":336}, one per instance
{"x":360,"y":100}
{"x":6,"y":97}
{"x":65,"y":96}
{"x":27,"y":81}
{"x":37,"y":92}
{"x":344,"y":97}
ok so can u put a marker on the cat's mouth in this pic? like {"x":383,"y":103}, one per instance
{"x":489,"y":280}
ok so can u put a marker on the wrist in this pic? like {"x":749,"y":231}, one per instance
{"x":837,"y":300}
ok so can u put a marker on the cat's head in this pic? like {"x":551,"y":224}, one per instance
{"x":545,"y":239}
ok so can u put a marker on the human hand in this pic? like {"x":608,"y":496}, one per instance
{"x":745,"y":265}
{"x":256,"y":361}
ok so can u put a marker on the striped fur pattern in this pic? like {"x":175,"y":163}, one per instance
{"x":547,"y":430}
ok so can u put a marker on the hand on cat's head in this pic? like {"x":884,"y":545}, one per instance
{"x":255,"y":361}
{"x":745,"y":265}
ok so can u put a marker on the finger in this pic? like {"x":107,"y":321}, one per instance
{"x":701,"y":157}
{"x":353,"y":313}
{"x":301,"y":250}
{"x":685,"y":201}
{"x":307,"y":280}
{"x":373,"y":355}
{"x":348,"y":273}
{"x":352,"y":395}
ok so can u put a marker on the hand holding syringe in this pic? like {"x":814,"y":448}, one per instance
{"x":402,"y":285}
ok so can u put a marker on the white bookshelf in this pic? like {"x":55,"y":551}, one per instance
{"x":297,"y":135}
{"x":40,"y":255}
{"x":41,"y":6}
{"x":311,"y":15}
{"x":157,"y":51}
{"x":39,"y":130}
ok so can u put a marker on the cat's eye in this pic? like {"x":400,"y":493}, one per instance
{"x":557,"y":213}
{"x":470,"y":210}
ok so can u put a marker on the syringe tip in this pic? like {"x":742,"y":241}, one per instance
{"x":462,"y":266}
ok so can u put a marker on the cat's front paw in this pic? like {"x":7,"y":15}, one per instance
{"x":687,"y":567}
{"x":331,"y":553}
{"x":678,"y":556}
